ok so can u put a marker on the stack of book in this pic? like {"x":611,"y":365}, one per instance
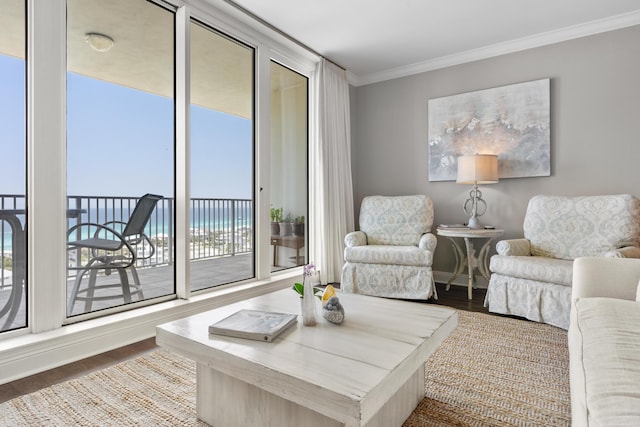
{"x":454,"y":226}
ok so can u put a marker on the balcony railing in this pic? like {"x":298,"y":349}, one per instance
{"x":219,"y":227}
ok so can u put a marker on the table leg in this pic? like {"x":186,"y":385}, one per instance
{"x":275,"y":255}
{"x":470,"y":266}
{"x":460,"y":261}
{"x":483,"y":257}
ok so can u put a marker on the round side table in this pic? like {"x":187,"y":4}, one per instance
{"x":467,"y":256}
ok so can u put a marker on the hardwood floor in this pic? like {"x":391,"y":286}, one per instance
{"x":456,"y":297}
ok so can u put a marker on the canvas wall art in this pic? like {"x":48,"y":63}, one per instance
{"x":509,"y":121}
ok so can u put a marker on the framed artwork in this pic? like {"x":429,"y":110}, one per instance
{"x":510,"y":121}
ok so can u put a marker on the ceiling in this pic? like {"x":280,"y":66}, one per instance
{"x":382,"y":39}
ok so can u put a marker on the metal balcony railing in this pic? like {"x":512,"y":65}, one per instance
{"x":219,"y":227}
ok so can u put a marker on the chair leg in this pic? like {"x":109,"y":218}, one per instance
{"x":124,"y":283}
{"x":90,"y":290}
{"x":136,"y":281}
{"x":75,"y":290}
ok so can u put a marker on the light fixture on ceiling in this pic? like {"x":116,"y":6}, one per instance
{"x":99,"y":42}
{"x":476,"y":169}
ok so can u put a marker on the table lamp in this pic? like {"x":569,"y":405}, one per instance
{"x":476,"y":169}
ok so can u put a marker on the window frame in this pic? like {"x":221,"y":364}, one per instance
{"x":46,"y":180}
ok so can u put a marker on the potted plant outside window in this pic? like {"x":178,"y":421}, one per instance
{"x":298,"y":226}
{"x":286,"y":225}
{"x":276,"y":218}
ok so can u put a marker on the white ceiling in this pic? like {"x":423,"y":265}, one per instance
{"x":381,"y":39}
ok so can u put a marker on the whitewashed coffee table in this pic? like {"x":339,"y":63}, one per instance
{"x":368,"y":371}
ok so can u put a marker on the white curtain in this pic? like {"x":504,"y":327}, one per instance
{"x":331,"y":189}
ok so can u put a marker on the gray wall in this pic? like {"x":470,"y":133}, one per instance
{"x":595,"y":132}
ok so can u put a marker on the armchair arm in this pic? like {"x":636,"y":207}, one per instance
{"x":111,"y":242}
{"x":428,"y":242}
{"x":605,"y":277}
{"x":355,"y":238}
{"x":626,"y":252}
{"x":514,"y":247}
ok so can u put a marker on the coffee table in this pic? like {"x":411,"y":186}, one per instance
{"x":367,"y":371}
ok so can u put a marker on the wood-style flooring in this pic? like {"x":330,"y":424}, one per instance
{"x":456,"y":297}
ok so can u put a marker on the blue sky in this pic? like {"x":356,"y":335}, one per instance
{"x":12,"y":126}
{"x":120,"y":141}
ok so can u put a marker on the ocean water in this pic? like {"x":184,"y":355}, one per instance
{"x":160,"y":223}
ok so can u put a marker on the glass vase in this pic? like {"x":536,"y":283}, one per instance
{"x":308,"y":304}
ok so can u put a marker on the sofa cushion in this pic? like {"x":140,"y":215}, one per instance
{"x":608,"y":332}
{"x":399,"y":220}
{"x":543,"y":269}
{"x":389,"y":254}
{"x":571,"y":227}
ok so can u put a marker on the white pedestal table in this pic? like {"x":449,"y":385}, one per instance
{"x":467,"y":257}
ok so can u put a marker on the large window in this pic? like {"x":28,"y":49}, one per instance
{"x":120,"y":146}
{"x":289,"y":137}
{"x":222,"y":231}
{"x":13,"y":297}
{"x":106,"y":142}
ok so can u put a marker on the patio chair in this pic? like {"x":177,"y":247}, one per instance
{"x":115,"y":245}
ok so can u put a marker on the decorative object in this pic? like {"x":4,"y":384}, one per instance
{"x":286,"y":225}
{"x":501,"y":357}
{"x":298,"y":226}
{"x":307,"y":293}
{"x":476,"y":169}
{"x":512,"y":121}
{"x":276,"y":218}
{"x":332,"y":310}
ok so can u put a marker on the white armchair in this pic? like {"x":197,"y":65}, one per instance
{"x":392,"y":253}
{"x":531,"y":277}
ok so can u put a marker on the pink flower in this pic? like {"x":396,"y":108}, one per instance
{"x":309,"y":268}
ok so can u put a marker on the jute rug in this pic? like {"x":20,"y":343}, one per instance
{"x":491,"y":371}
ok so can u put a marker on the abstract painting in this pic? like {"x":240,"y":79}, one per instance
{"x":510,"y":121}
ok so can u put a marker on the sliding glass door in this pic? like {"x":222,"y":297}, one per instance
{"x":289,"y":177}
{"x":222,"y":215}
{"x":13,"y":224}
{"x":120,"y":146}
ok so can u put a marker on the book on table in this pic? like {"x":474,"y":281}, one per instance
{"x":454,"y":226}
{"x":253,"y":324}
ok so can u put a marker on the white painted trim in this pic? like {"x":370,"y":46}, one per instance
{"x":537,"y":40}
{"x":46,"y":168}
{"x":183,"y":151}
{"x":29,"y":354}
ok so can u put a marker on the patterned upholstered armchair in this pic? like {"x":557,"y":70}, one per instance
{"x":531,"y":277}
{"x":391,"y":255}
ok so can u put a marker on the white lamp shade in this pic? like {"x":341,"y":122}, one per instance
{"x":478,"y":169}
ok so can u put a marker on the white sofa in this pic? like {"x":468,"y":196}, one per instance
{"x":392,"y":253}
{"x":531,"y":276}
{"x":604,"y":342}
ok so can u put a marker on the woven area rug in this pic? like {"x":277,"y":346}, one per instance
{"x":491,"y":371}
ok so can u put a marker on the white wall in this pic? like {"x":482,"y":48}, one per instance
{"x":595,"y":140}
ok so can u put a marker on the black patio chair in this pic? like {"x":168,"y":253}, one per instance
{"x":115,"y":245}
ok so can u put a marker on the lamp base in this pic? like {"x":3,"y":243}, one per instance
{"x":474,"y":223}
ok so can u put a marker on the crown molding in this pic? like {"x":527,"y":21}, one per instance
{"x":542,"y":39}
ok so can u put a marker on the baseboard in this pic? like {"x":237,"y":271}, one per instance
{"x":461,"y":280}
